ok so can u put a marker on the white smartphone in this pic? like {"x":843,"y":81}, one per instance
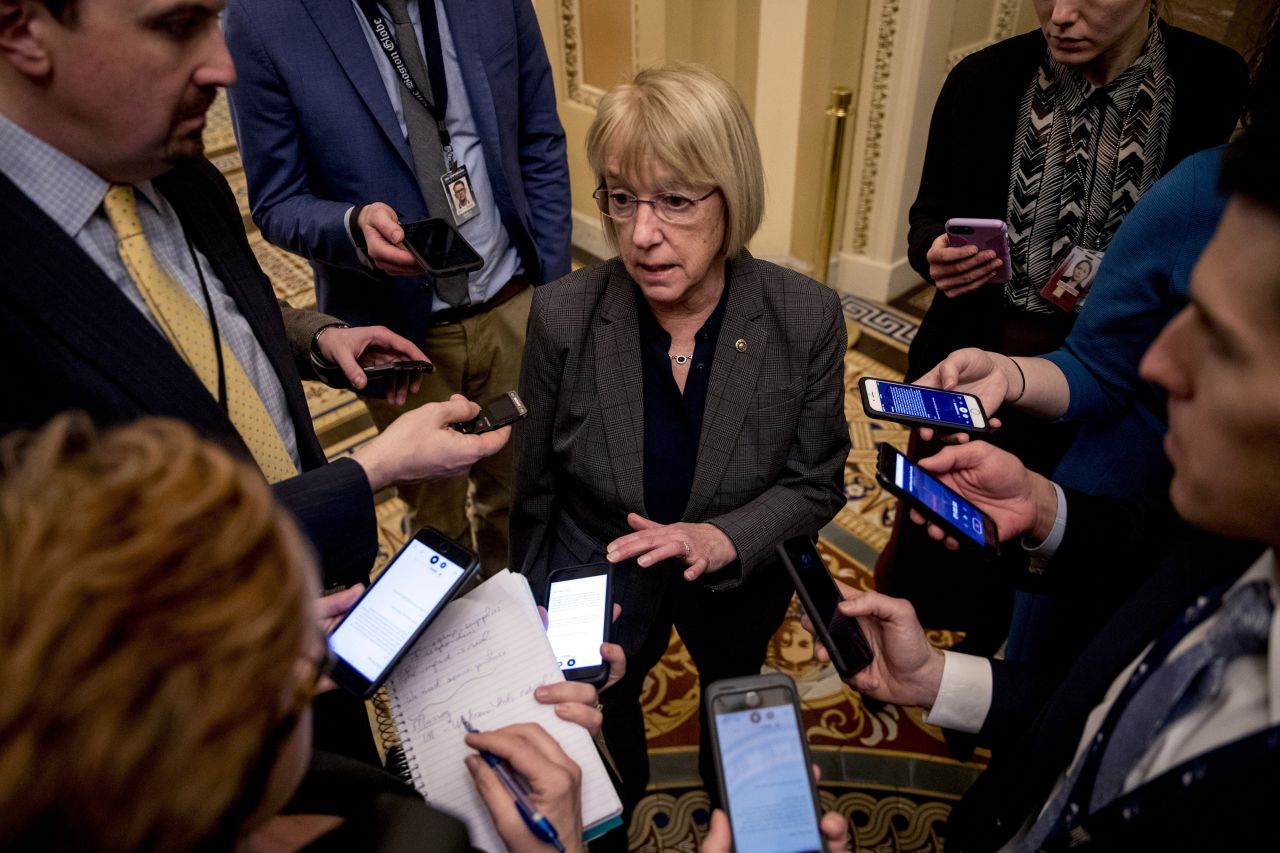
{"x":762,"y":760}
{"x":397,"y":608}
{"x":917,"y":405}
{"x":579,"y":613}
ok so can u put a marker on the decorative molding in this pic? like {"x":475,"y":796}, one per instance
{"x":572,"y":49}
{"x":579,"y":90}
{"x":1003,"y":19}
{"x":880,"y":281}
{"x":886,"y":35}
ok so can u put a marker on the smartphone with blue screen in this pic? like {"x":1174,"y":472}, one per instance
{"x":762,"y":763}
{"x":916,"y":405}
{"x":965,"y":522}
{"x":396,"y":608}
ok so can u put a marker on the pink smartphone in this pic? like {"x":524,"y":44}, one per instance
{"x":990,"y":234}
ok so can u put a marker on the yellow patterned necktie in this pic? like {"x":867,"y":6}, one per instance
{"x":189,"y":331}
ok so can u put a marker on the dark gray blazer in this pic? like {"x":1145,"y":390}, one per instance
{"x":774,"y":436}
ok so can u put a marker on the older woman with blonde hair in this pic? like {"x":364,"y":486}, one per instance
{"x":686,"y":400}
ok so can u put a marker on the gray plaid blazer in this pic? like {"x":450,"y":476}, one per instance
{"x":774,"y":436}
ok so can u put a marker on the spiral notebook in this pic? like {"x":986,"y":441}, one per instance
{"x":481,"y":660}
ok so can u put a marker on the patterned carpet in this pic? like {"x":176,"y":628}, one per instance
{"x":882,"y":767}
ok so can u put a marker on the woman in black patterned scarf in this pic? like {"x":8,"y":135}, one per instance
{"x":1058,"y":132}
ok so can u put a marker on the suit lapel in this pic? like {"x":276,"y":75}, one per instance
{"x":78,"y":305}
{"x":343,"y":28}
{"x":736,"y":372}
{"x":619,"y":384}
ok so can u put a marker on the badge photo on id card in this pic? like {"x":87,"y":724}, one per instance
{"x":462,"y":199}
{"x":1072,"y":278}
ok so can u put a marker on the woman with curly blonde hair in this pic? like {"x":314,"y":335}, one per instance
{"x":160,"y":644}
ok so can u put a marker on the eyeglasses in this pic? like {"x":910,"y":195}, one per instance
{"x":309,"y":687}
{"x":673,"y":208}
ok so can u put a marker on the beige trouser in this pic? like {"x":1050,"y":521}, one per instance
{"x":478,"y":357}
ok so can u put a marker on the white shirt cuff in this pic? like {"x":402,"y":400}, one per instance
{"x":360,"y":253}
{"x":1041,"y":554}
{"x":964,"y":697}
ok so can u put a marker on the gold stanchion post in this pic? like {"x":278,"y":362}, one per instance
{"x":837,"y":118}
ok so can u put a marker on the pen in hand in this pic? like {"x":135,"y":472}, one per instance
{"x":519,"y":788}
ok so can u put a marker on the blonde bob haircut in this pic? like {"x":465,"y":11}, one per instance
{"x":692,"y":121}
{"x":156,"y":604}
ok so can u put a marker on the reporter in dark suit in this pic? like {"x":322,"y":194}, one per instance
{"x":686,"y":401}
{"x":1164,"y":733}
{"x":79,"y":328}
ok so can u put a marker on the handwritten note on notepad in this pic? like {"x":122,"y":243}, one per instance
{"x":481,"y":660}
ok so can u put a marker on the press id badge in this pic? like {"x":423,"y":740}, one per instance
{"x":462,"y":198}
{"x":1072,"y":278}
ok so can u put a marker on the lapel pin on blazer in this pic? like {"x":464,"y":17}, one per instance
{"x":741,"y":345}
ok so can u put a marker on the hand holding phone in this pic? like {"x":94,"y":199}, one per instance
{"x":392,"y":374}
{"x":1019,"y":501}
{"x":762,"y":764}
{"x":989,"y":235}
{"x":969,"y":525}
{"x":397,"y":608}
{"x":496,"y":413}
{"x":919,"y":406}
{"x":579,"y":613}
{"x":847,"y":647}
{"x":440,"y":248}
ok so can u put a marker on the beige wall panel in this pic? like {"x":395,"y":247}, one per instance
{"x":1026,"y":18}
{"x":971,"y":21}
{"x":725,"y":36}
{"x":605,"y":26}
{"x":833,"y":57}
{"x":783,"y":27}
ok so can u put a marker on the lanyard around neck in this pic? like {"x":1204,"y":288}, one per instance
{"x":434,"y":100}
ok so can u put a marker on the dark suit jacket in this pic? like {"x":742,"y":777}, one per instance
{"x":74,"y":341}
{"x":381,"y":813}
{"x":318,"y":134}
{"x":1035,"y":740}
{"x":774,"y":436}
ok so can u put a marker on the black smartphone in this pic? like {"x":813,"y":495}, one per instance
{"x":762,"y":764}
{"x":439,"y":248}
{"x":396,"y":608}
{"x":917,"y":405}
{"x":381,"y":375}
{"x":845,"y":643}
{"x":968,"y":524}
{"x":501,"y":410}
{"x":579,"y":613}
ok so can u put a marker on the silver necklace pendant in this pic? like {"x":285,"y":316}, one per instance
{"x":681,"y":359}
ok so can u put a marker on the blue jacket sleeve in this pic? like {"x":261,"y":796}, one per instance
{"x":544,"y":166}
{"x":1139,"y":287}
{"x":284,"y":204}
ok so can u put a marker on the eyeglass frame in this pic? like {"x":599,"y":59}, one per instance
{"x":602,"y":192}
